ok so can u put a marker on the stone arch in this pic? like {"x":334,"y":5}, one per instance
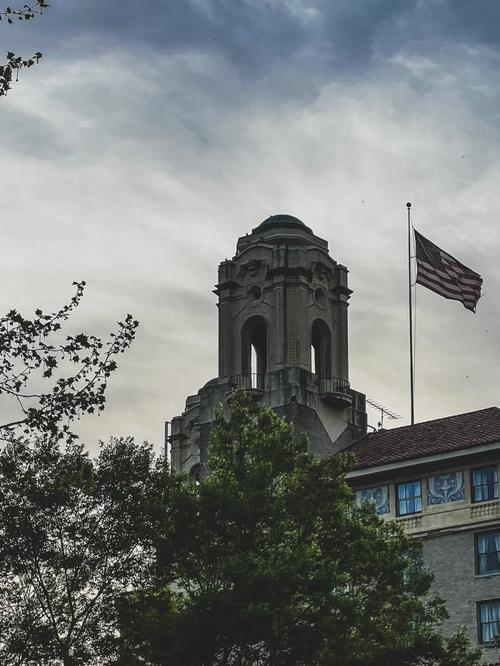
{"x":321,"y":349}
{"x":195,"y":473}
{"x":254,"y":347}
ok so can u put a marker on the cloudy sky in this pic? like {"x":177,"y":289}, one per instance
{"x":153,"y":134}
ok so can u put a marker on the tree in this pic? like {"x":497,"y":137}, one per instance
{"x":267,"y":561}
{"x":74,"y":534}
{"x":15,"y":63}
{"x":32,"y":351}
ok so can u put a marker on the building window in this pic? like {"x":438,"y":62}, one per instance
{"x":414,"y":564}
{"x":379,"y":496}
{"x":485,"y":484}
{"x":489,"y":620}
{"x":409,"y":496}
{"x":488,"y":552}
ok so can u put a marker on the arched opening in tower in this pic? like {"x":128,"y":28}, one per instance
{"x":195,"y":474}
{"x":254,"y":351}
{"x":321,"y":349}
{"x":254,"y":361}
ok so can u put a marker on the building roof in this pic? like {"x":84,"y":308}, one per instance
{"x":288,"y":219}
{"x":282,"y":221}
{"x":452,"y":433}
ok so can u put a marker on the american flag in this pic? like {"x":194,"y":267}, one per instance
{"x":440,"y":272}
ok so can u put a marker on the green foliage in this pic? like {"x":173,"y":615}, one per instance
{"x":456,"y":650}
{"x":268,"y":561}
{"x":24,"y":13}
{"x":15,"y":63}
{"x":75,"y":534}
{"x":32,"y":351}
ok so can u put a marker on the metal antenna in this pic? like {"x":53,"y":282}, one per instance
{"x":383,"y":411}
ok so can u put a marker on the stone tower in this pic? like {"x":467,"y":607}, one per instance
{"x":283,"y":336}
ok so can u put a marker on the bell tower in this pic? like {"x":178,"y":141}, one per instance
{"x":283,"y":335}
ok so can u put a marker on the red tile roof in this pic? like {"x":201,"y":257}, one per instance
{"x":452,"y":433}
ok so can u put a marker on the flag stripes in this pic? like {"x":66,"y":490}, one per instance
{"x":440,"y":272}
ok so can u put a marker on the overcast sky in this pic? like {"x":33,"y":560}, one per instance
{"x":153,"y":134}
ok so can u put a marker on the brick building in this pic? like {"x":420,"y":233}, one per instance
{"x":440,"y":480}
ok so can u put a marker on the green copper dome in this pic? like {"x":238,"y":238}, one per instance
{"x":287,"y":219}
{"x":282,"y":221}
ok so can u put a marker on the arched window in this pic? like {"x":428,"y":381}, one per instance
{"x":254,"y":351}
{"x":195,"y":473}
{"x":321,"y":349}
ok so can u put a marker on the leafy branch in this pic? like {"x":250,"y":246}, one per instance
{"x":27,"y":353}
{"x":15,"y":63}
{"x":26,"y":13}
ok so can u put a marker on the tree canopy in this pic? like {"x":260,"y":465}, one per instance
{"x":75,"y":534}
{"x":269,"y":561}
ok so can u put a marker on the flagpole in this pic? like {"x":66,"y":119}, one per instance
{"x":410,"y":310}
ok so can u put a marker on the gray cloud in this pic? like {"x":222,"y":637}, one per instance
{"x":257,"y":34}
{"x":140,"y":150}
{"x":301,"y":43}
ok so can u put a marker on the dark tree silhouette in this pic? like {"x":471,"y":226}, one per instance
{"x":33,"y":350}
{"x":269,"y":562}
{"x":14,"y":63}
{"x":74,"y":535}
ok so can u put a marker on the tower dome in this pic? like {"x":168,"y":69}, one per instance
{"x":282,"y":221}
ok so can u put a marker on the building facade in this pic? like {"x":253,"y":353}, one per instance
{"x":440,"y":480}
{"x":283,"y":335}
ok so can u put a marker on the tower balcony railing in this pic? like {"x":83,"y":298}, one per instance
{"x":335,"y":391}
{"x":252,"y":382}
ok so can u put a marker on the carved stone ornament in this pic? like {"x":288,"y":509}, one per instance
{"x":321,"y":271}
{"x":444,"y":488}
{"x":253,"y":269}
{"x":378,"y":496}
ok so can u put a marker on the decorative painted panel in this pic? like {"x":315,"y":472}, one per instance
{"x":379,"y":496}
{"x":445,"y":488}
